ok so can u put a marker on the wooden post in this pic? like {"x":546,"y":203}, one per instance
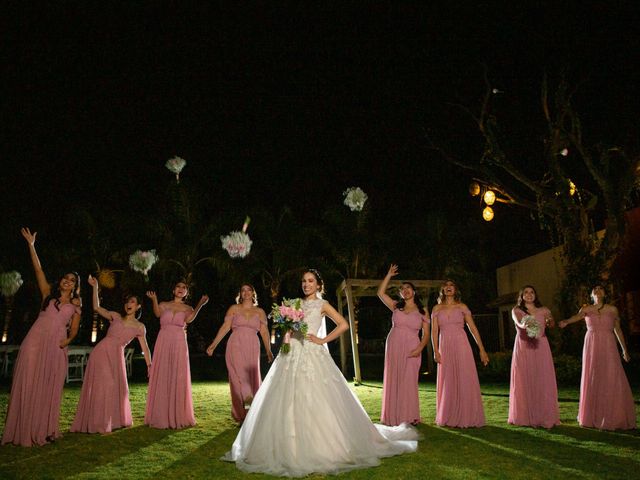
{"x":343,"y":337}
{"x":354,"y":334}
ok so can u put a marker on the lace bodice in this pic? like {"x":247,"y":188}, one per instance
{"x":312,"y":314}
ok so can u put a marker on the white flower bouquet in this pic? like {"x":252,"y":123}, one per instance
{"x":141,"y":261}
{"x":10,"y":282}
{"x":531,"y":326}
{"x":175,"y":165}
{"x":237,"y":244}
{"x":355,"y":198}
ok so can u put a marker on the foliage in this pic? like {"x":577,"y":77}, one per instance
{"x":570,"y":185}
{"x":568,"y":369}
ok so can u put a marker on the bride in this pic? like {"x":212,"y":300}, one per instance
{"x":305,"y":418}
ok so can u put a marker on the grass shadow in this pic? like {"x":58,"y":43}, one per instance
{"x":599,"y":456}
{"x":77,"y":452}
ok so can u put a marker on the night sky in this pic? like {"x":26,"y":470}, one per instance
{"x":286,"y":104}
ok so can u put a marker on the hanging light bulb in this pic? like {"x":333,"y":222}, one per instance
{"x":572,"y":188}
{"x":487,"y":214}
{"x":474,"y":189}
{"x":489,"y":197}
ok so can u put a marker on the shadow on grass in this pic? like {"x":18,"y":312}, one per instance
{"x":205,"y":462}
{"x":557,"y":449}
{"x":77,"y":452}
{"x":622,"y":438}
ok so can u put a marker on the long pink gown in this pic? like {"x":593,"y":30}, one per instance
{"x":458,"y":398}
{"x":533,"y":395}
{"x":38,"y":379}
{"x":606,"y":401}
{"x":169,"y":402}
{"x":104,"y":400}
{"x":400,"y":402}
{"x":243,"y":362}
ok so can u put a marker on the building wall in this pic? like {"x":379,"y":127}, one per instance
{"x":541,"y":270}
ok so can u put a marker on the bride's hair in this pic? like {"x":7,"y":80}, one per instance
{"x":316,"y":274}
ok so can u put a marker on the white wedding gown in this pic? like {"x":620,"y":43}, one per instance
{"x":306,"y":419}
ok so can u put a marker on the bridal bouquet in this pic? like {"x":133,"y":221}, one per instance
{"x":355,"y":198}
{"x":532,"y":326}
{"x":10,"y":282}
{"x":142,"y":261}
{"x":237,"y":244}
{"x":287,"y":318}
{"x":175,"y":165}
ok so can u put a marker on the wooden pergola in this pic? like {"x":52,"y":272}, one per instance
{"x":353,"y":288}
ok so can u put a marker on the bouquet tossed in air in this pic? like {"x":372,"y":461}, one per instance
{"x":532,"y":326}
{"x":142,"y":261}
{"x":287,"y":318}
{"x":355,"y":198}
{"x":237,"y":244}
{"x":10,"y":282}
{"x":175,"y":165}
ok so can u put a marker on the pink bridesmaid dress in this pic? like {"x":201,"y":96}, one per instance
{"x":38,"y":379}
{"x":533,"y":394}
{"x":400,"y":402}
{"x":169,"y":402}
{"x":104,"y":400}
{"x":458,"y":398}
{"x":243,"y":362}
{"x":606,"y":401}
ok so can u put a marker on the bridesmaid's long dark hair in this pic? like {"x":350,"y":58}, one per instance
{"x":55,"y":293}
{"x":416,"y":298}
{"x":521,"y":304}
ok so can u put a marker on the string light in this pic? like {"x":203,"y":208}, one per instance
{"x":489,"y":197}
{"x":487,"y":214}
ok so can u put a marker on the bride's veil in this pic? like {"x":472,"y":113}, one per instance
{"x":322,"y":331}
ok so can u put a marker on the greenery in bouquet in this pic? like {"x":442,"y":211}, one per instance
{"x":287,"y":319}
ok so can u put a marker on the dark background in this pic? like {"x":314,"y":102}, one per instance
{"x":290,"y":104}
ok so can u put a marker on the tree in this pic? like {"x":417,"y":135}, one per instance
{"x":570,"y":185}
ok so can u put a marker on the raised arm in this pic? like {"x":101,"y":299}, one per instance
{"x":620,"y":336}
{"x":222,"y":331}
{"x":341,"y":325}
{"x":382,"y":289}
{"x":43,"y":285}
{"x":517,"y":315}
{"x":194,"y":313}
{"x":154,"y":303}
{"x":576,"y":318}
{"x":471,"y":325}
{"x":435,"y":339}
{"x":425,"y":336}
{"x":96,"y":299}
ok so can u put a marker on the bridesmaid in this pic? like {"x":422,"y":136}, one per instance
{"x":606,"y":401}
{"x":41,"y":365}
{"x":533,"y":396}
{"x":403,"y":353}
{"x":169,"y":402}
{"x":458,"y":398}
{"x":104,"y":401}
{"x":243,"y":348}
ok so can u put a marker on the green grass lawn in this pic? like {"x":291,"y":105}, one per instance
{"x":495,"y":451}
